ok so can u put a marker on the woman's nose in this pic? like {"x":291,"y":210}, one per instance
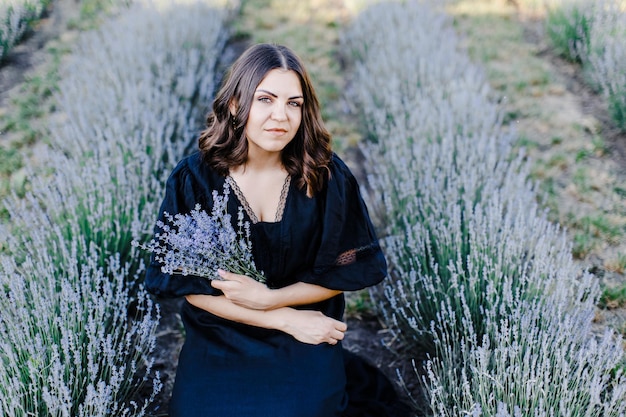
{"x":279,"y":113}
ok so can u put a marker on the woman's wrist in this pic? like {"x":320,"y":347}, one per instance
{"x":272,"y":299}
{"x":278,"y":319}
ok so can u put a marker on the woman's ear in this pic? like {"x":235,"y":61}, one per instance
{"x":232,"y":107}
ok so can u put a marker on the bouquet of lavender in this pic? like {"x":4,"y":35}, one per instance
{"x":199,"y":244}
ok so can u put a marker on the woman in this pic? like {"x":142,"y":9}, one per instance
{"x":256,"y":350}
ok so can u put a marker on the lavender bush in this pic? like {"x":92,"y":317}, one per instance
{"x":606,"y":56}
{"x":568,"y":24}
{"x":134,"y":118}
{"x":452,"y":212}
{"x":594,"y":33}
{"x":79,"y":329}
{"x":471,"y":254}
{"x":540,"y":360}
{"x":65,"y":350}
{"x":15,"y":18}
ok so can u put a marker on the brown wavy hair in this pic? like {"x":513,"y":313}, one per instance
{"x":223,"y":143}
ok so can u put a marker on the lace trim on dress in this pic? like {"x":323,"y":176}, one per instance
{"x":283,"y":199}
{"x":350,"y":256}
{"x":242,"y":199}
{"x":346,"y":258}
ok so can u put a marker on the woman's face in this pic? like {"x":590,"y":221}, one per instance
{"x":275,"y":113}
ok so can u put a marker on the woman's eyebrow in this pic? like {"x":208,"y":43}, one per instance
{"x":275,"y":96}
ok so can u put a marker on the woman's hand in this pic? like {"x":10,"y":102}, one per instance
{"x":312,"y":327}
{"x":244,"y":291}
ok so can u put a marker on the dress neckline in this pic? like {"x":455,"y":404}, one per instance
{"x":244,"y":203}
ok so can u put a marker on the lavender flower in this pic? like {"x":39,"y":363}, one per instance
{"x":199,"y":244}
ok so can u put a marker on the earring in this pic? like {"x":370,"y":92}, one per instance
{"x":233,"y":121}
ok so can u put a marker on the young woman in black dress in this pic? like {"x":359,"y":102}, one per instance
{"x":274,"y":349}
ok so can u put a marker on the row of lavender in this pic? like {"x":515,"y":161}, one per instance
{"x":15,"y":18}
{"x":77,"y":330}
{"x":594,"y":33}
{"x":482,"y":288}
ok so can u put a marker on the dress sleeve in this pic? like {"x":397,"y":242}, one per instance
{"x":180,"y":197}
{"x":349,"y":256}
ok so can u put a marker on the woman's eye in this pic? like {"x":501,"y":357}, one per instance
{"x":295,"y":103}
{"x":264,"y":99}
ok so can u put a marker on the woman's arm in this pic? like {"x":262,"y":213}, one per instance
{"x":246,"y":292}
{"x":307,"y":326}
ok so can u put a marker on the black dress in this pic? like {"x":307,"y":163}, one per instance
{"x":229,"y":369}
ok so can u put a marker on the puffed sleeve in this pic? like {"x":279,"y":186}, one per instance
{"x":349,"y":256}
{"x":181,"y":196}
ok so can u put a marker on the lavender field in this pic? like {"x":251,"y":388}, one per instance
{"x":494,"y":291}
{"x":78,"y":330}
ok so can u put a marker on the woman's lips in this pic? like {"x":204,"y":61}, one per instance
{"x":277,"y":131}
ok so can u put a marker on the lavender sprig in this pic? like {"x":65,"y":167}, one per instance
{"x":199,"y":244}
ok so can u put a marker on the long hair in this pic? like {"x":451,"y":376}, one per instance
{"x":223,"y":143}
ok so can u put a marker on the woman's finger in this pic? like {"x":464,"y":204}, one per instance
{"x":224,"y":286}
{"x":225,"y":274}
{"x":337,"y":335}
{"x":217,"y":284}
{"x":231,"y":276}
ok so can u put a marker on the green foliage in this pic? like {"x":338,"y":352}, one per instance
{"x":10,"y":175}
{"x":568,"y":27}
{"x":620,"y":191}
{"x":92,"y":12}
{"x":617,"y":107}
{"x":583,"y":244}
{"x":559,"y":161}
{"x":591,"y":230}
{"x":614,"y":297}
{"x":556,"y":140}
{"x":581,"y":179}
{"x":10,"y":161}
{"x":359,"y":303}
{"x":525,"y":142}
{"x":600,"y":226}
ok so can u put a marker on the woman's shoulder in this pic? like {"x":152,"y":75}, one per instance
{"x":188,"y":164}
{"x":341,"y":182}
{"x":337,"y":162}
{"x":192,"y":166}
{"x":193,"y":174}
{"x":339,"y":170}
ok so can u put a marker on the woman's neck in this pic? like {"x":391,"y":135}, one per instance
{"x":261,"y":163}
